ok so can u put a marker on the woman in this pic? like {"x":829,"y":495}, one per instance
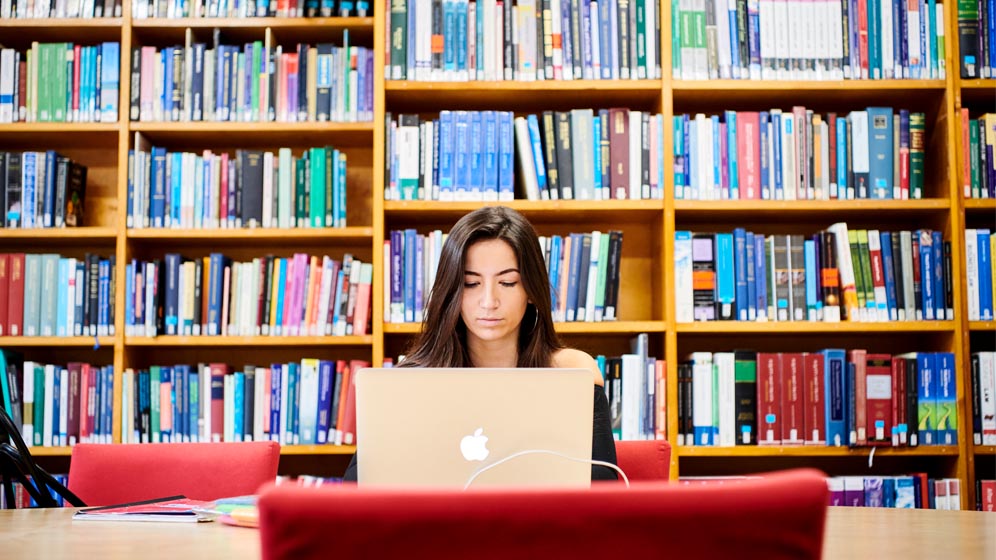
{"x":490,"y":307}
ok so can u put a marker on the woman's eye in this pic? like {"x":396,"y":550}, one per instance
{"x":470,"y":284}
{"x":508,"y":284}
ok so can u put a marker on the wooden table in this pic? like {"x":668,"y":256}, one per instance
{"x":873,"y":533}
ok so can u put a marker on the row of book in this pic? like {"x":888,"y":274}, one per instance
{"x":250,"y":188}
{"x":827,"y":398}
{"x":980,"y":272}
{"x":297,"y":403}
{"x":833,"y":275}
{"x":60,"y":82}
{"x":900,"y":492}
{"x":582,"y":154}
{"x":977,"y":39}
{"x":636,"y":390}
{"x":820,"y":40}
{"x":41,"y":190}
{"x":978,"y":161}
{"x":800,"y":155}
{"x":42,"y":9}
{"x":176,"y":9}
{"x":270,"y":296}
{"x":253,"y":82}
{"x":57,"y":405}
{"x":50,"y":295}
{"x":583,"y":270}
{"x":23,"y":500}
{"x":527,"y":40}
{"x":983,"y":380}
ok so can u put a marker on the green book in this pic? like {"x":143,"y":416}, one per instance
{"x":859,"y":279}
{"x":39,"y":410}
{"x":917,"y":155}
{"x":32,"y":294}
{"x":155,"y":404}
{"x":866,"y":275}
{"x":973,"y":151}
{"x":316,"y":187}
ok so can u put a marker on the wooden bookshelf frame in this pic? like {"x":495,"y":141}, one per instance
{"x":649,"y":305}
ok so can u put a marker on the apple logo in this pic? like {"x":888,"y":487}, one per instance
{"x":474,"y":447}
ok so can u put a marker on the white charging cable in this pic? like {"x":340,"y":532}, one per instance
{"x":486,"y":468}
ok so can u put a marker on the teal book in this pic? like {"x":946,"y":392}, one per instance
{"x":32,"y":294}
{"x":880,"y":152}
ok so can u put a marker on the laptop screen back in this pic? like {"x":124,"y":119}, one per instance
{"x":438,"y":426}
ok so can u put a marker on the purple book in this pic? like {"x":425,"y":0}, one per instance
{"x":874,"y":495}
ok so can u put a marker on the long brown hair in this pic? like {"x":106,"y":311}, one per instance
{"x":442,"y":341}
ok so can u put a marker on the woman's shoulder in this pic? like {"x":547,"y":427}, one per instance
{"x":574,"y":358}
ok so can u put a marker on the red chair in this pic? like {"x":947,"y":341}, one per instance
{"x":644,"y":460}
{"x":780,"y":516}
{"x":113,"y":474}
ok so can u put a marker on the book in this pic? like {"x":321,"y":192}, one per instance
{"x":172,"y":509}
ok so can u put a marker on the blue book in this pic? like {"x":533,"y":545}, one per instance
{"x":742,"y":300}
{"x":835,"y":393}
{"x":888,"y":492}
{"x":157,"y":205}
{"x":446,"y":150}
{"x":596,"y":136}
{"x":778,"y":189}
{"x":506,"y":160}
{"x":411,"y":252}
{"x":725,"y":277}
{"x":814,"y":303}
{"x":239,"y":404}
{"x":476,"y":181}
{"x":78,"y":318}
{"x":276,"y":371}
{"x":752,"y":286}
{"x":29,"y":193}
{"x":888,"y":263}
{"x":985,"y":278}
{"x":110,"y":54}
{"x":167,"y":95}
{"x":62,"y":327}
{"x":572,"y":272}
{"x":732,"y":164}
{"x":940,"y":294}
{"x":679,"y":156}
{"x":397,"y":276}
{"x":926,"y":273}
{"x":946,"y":408}
{"x":419,"y":273}
{"x":48,"y":190}
{"x":461,"y":159}
{"x":180,"y":405}
{"x":326,"y":376}
{"x":880,"y":157}
{"x":294,"y":398}
{"x":172,"y":303}
{"x":215,"y":286}
{"x":341,"y":209}
{"x":556,"y":254}
{"x":193,"y":404}
{"x":927,"y":388}
{"x":842,"y":165}
{"x":696,"y":189}
{"x":532,"y":123}
{"x":874,"y":492}
{"x":489,"y":181}
{"x":716,"y":185}
{"x":56,"y":406}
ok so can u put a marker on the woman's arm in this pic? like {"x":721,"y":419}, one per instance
{"x":603,"y":447}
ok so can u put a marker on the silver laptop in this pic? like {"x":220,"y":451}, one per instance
{"x":441,"y":426}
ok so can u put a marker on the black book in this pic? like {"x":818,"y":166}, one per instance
{"x":912,"y":401}
{"x":948,"y":283}
{"x":565,"y":166}
{"x":917,"y":279}
{"x":745,"y":396}
{"x":198,"y":296}
{"x":897,"y":267}
{"x":645,"y":154}
{"x":612,"y":276}
{"x":62,"y":165}
{"x":250,"y":201}
{"x":269,"y":262}
{"x":3,"y":190}
{"x":250,"y":398}
{"x":550,"y":154}
{"x":135,"y":92}
{"x":12,"y":206}
{"x":584,"y":263}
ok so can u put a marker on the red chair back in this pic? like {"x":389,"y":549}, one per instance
{"x":644,"y":460}
{"x":777,"y":517}
{"x":113,"y":474}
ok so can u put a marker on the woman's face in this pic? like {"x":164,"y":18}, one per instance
{"x":493,"y":301}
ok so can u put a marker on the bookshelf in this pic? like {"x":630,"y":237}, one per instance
{"x":648,"y":225}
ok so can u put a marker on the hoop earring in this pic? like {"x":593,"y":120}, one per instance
{"x":535,"y":318}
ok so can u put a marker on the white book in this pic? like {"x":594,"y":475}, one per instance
{"x":906,"y":247}
{"x":972,"y":274}
{"x":589,"y":305}
{"x":524,"y":159}
{"x":204,"y":421}
{"x":860,"y":163}
{"x":914,"y":55}
{"x":261,"y":394}
{"x":702,"y":398}
{"x":635,"y":157}
{"x":942,"y":70}
{"x":228,"y":432}
{"x":726,"y":386}
{"x":783,"y":47}
{"x":7,"y":85}
{"x":790,"y":179}
{"x":633,"y":391}
{"x":885,"y":33}
{"x":845,"y":266}
{"x":683,"y":283}
{"x":987,"y":396}
{"x":766,"y":19}
{"x":267,"y":189}
{"x":308,"y":409}
{"x":127,"y":414}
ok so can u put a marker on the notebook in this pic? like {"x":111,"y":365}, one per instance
{"x":440,"y":426}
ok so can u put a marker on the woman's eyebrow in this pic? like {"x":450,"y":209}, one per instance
{"x":506,"y":271}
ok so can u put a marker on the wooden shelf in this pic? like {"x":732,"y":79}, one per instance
{"x":293,"y":23}
{"x":58,"y":127}
{"x":522,"y":96}
{"x":569,"y":211}
{"x":814,"y":451}
{"x":604,"y":327}
{"x":62,"y":451}
{"x":982,"y":326}
{"x":812,"y":327}
{"x":62,"y":235}
{"x":987,"y":205}
{"x":317,"y":449}
{"x":56,"y":341}
{"x":807,"y":208}
{"x":784,"y":93}
{"x":65,"y":23}
{"x":286,"y":31}
{"x":364,"y":234}
{"x":250,"y":134}
{"x":237,"y":341}
{"x":989,"y":84}
{"x":984,"y":449}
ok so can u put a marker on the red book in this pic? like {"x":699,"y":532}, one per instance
{"x":878,"y":394}
{"x":345,"y":379}
{"x":77,"y":61}
{"x":769,"y":398}
{"x":4,"y":293}
{"x":218,"y":372}
{"x":878,"y":275}
{"x":15,"y":307}
{"x":859,"y":434}
{"x":862,"y":18}
{"x":832,"y":152}
{"x":349,"y":413}
{"x":75,"y":370}
{"x":899,"y":401}
{"x":361,"y":315}
{"x":223,"y":191}
{"x":793,"y":388}
{"x":748,"y":145}
{"x":619,"y":153}
{"x":988,"y":495}
{"x":814,"y":400}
